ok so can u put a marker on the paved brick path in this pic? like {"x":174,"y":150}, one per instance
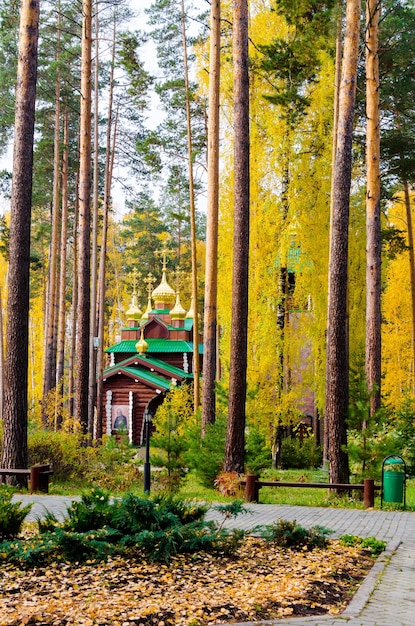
{"x":387,"y":596}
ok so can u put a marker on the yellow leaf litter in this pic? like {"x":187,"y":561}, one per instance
{"x":261,"y":581}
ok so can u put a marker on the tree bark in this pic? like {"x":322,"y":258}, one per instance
{"x":60,"y":365}
{"x":196,"y":360}
{"x":373,"y":231}
{"x":337,"y":363}
{"x":14,"y":452}
{"x":83,"y":326}
{"x":210,"y":347}
{"x":109,"y":160}
{"x":411,"y":271}
{"x":49,"y":372}
{"x":94,"y":248}
{"x":235,"y":435}
{"x":337,"y":77}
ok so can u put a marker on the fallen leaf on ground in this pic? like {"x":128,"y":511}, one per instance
{"x":261,"y":581}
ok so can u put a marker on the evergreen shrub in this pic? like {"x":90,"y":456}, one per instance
{"x":205,"y":455}
{"x":98,"y":526}
{"x":258,"y":453}
{"x":289,"y":534}
{"x":12,"y":514}
{"x":297,"y":454}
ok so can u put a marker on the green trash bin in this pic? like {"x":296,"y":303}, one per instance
{"x":393,"y":479}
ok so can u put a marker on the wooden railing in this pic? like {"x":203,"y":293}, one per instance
{"x":253,"y":485}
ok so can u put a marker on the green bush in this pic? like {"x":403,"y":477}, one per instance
{"x":258,"y":453}
{"x":373,"y":545}
{"x":289,"y":534}
{"x":297,"y":454}
{"x":62,"y":450}
{"x":205,"y":454}
{"x":110,"y":465}
{"x":170,"y":424}
{"x":98,"y":526}
{"x":12,"y":514}
{"x":92,"y":512}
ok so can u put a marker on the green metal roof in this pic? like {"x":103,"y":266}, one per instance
{"x":141,"y":374}
{"x":159,"y":346}
{"x":172,"y":370}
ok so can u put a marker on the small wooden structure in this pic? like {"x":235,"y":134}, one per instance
{"x":154,"y":354}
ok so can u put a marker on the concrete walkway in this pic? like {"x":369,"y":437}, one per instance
{"x":385,"y":598}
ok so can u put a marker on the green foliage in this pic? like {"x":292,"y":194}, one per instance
{"x":170,"y":422}
{"x":293,"y":62}
{"x":289,"y":534}
{"x":300,"y":454}
{"x":230,"y":510}
{"x":404,"y":422}
{"x":62,"y":450}
{"x":375,"y":546}
{"x":257,"y":452}
{"x":110,"y":465}
{"x":93,"y":511}
{"x":370,"y":438}
{"x":12,"y":514}
{"x":98,"y":526}
{"x":205,"y":454}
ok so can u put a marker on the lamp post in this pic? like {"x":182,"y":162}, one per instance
{"x":147,"y":422}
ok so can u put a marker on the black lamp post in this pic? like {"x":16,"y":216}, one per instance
{"x":147,"y":422}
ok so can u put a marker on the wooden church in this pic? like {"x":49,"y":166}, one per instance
{"x":154,"y":354}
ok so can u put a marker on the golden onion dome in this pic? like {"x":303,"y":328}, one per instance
{"x":191,"y":312}
{"x":141,"y":346}
{"x":148,"y":310}
{"x":134,"y":312}
{"x":177,"y":312}
{"x":164,"y":293}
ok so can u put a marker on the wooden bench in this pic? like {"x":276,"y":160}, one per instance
{"x":38,"y":476}
{"x":253,"y":485}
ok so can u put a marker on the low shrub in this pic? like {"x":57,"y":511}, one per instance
{"x":373,"y":545}
{"x":289,"y":534}
{"x":258,"y":452}
{"x":297,"y":454}
{"x":98,"y":526}
{"x":205,"y":455}
{"x":110,"y":465}
{"x":12,"y":514}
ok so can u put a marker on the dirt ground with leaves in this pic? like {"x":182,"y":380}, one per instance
{"x":261,"y":581}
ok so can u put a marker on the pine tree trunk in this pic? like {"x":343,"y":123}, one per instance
{"x":49,"y":372}
{"x":235,"y":435}
{"x":74,"y":308}
{"x":83,"y":327}
{"x":14,"y":450}
{"x":60,"y":365}
{"x":109,"y":161}
{"x":94,"y":247}
{"x":373,"y":230}
{"x":337,"y":76}
{"x":210,"y":347}
{"x":337,"y":364}
{"x":411,"y":271}
{"x":196,"y":360}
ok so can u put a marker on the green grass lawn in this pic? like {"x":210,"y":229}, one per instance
{"x":192,"y":490}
